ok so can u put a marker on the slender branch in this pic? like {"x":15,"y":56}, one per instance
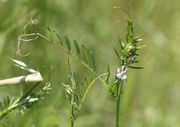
{"x":83,"y":63}
{"x":72,"y":123}
{"x":25,"y":101}
{"x":61,"y":48}
{"x":9,"y":109}
{"x":85,"y":94}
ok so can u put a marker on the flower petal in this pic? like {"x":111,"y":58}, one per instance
{"x":118,"y":70}
{"x":118,"y":75}
{"x":124,"y":77}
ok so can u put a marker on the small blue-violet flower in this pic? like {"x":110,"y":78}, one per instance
{"x":121,"y":73}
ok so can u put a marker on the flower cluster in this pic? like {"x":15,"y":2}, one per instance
{"x":121,"y":73}
{"x":127,"y":54}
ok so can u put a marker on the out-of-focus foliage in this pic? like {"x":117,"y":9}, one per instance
{"x":151,"y":96}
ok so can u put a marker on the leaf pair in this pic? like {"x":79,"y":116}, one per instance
{"x":53,"y":34}
{"x":23,"y":66}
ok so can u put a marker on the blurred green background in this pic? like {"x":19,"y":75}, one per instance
{"x":151,"y":97}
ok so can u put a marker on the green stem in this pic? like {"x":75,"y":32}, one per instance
{"x":72,"y":121}
{"x":72,"y":111}
{"x":65,"y":50}
{"x":8,"y":110}
{"x":85,"y":94}
{"x":119,"y":92}
{"x":117,"y":111}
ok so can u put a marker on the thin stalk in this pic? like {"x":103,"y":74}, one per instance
{"x":72,"y":121}
{"x":119,"y":92}
{"x":65,"y":50}
{"x":85,"y":94}
{"x":72,"y":110}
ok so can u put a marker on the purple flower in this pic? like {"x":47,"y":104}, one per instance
{"x":121,"y":73}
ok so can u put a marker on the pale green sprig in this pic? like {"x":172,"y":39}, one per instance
{"x":127,"y":53}
{"x":27,"y":99}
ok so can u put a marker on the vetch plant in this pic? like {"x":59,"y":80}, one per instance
{"x":125,"y":50}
